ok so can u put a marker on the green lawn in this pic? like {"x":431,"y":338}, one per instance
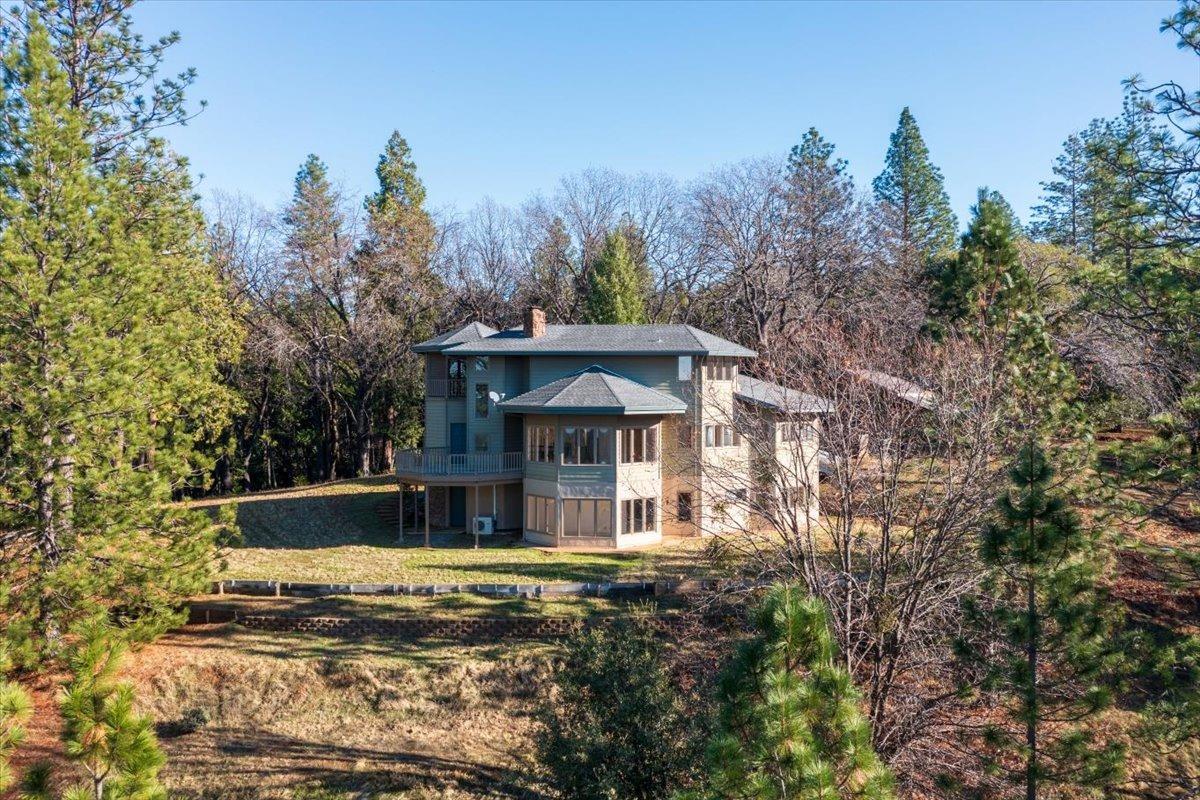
{"x":332,"y":533}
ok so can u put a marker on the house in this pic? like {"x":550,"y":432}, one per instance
{"x":589,"y":435}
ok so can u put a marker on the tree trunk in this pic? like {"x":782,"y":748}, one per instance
{"x":1031,"y":697}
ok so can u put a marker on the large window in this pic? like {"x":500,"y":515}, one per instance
{"x":587,"y":446}
{"x":640,"y":515}
{"x":481,"y":400}
{"x":540,"y":443}
{"x":639,"y":445}
{"x":721,"y":436}
{"x":587,"y":518}
{"x":540,"y":514}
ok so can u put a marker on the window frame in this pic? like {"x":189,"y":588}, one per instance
{"x":642,"y":442}
{"x":481,"y":394}
{"x":593,"y":441}
{"x":596,"y":511}
{"x":639,"y":515}
{"x":537,"y":505}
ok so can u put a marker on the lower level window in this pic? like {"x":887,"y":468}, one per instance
{"x":639,"y":516}
{"x":540,"y":516}
{"x":587,"y":518}
{"x":683,"y":507}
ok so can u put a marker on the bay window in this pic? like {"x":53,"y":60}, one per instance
{"x":639,"y":445}
{"x":587,"y":446}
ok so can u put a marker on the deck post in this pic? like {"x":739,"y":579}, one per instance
{"x":401,"y":540}
{"x":427,"y":515}
{"x":493,"y":505}
{"x":475,"y":527}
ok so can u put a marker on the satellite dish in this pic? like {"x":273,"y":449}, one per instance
{"x":495,"y":396}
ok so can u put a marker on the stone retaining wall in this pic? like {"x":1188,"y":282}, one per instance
{"x":410,"y":628}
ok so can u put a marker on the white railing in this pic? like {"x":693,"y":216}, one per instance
{"x":439,"y":462}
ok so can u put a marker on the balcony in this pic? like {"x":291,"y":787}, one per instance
{"x":445,"y":387}
{"x":436,"y":464}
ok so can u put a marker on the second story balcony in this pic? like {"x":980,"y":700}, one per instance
{"x":459,"y":468}
{"x":446,"y":387}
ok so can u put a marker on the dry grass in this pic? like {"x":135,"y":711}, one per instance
{"x":332,"y":533}
{"x":292,"y":716}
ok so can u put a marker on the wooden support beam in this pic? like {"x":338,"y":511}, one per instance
{"x":427,"y":516}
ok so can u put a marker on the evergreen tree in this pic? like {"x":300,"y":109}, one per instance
{"x":1050,"y":651}
{"x":115,"y":746}
{"x":914,"y":192}
{"x":618,"y":728}
{"x":616,"y":287}
{"x":790,"y":724}
{"x":15,"y":710}
{"x":985,"y":284}
{"x":112,"y":329}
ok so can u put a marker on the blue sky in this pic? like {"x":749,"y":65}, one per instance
{"x":502,"y":100}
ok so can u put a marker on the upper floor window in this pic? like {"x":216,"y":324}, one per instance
{"x":481,"y":400}
{"x":481,"y":443}
{"x":481,"y":363}
{"x":456,"y":374}
{"x":721,"y":436}
{"x":720,"y":370}
{"x":587,"y":446}
{"x":540,"y":443}
{"x":639,"y":445}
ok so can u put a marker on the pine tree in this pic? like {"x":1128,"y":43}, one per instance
{"x":914,"y":193}
{"x":790,"y":724}
{"x":15,"y":710}
{"x":616,"y":287}
{"x":101,"y":732}
{"x":618,"y":727}
{"x":112,"y":328}
{"x":984,"y":285}
{"x":1048,"y":651}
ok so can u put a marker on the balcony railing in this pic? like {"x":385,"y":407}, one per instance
{"x":445,"y":387}
{"x":436,"y":461}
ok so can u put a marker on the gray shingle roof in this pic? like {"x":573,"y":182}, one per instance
{"x":905,"y":390}
{"x":594,"y":390}
{"x":589,"y":340}
{"x":471,"y":332}
{"x":779,"y":398}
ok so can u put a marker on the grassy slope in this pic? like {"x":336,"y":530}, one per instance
{"x":332,"y":533}
{"x":292,"y":716}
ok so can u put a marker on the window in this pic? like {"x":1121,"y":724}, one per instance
{"x":587,"y":446}
{"x":540,"y":514}
{"x":587,"y":518}
{"x":687,"y":436}
{"x":735,"y":495}
{"x":684,"y":369}
{"x":639,"y":445}
{"x":481,"y":443}
{"x":540,"y":443}
{"x":791,"y":431}
{"x":456,"y":383}
{"x":640,"y":515}
{"x":481,"y":363}
{"x":683,"y":507}
{"x":481,"y":400}
{"x":721,"y":436}
{"x":720,"y":370}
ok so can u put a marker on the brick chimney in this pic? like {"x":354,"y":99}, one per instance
{"x":535,"y":322}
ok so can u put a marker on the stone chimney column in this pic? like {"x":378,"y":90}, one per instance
{"x":535,"y":322}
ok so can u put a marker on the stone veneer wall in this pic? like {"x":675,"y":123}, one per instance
{"x":460,"y":628}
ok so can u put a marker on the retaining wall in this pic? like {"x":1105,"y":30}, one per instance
{"x":459,"y":628}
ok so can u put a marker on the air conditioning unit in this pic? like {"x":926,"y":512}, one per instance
{"x":485,"y":526}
